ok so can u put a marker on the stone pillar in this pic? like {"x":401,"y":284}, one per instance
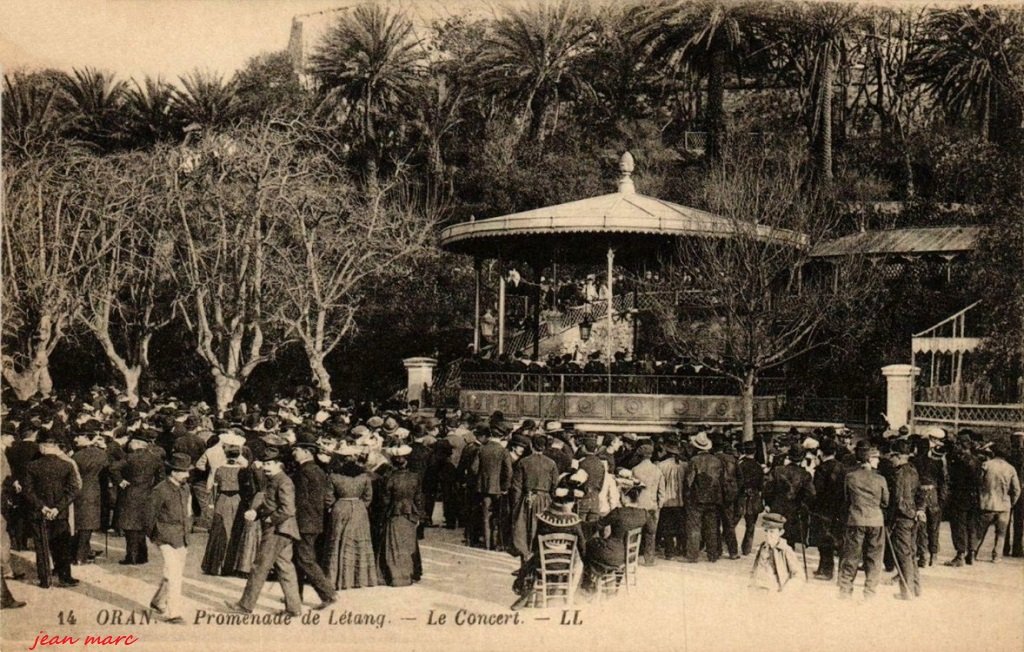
{"x":421,"y":374}
{"x":899,"y":395}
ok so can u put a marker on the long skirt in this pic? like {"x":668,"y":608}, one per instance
{"x":401,"y":560}
{"x":219,"y":545}
{"x":524,"y":526}
{"x":249,"y":539}
{"x":350,"y":561}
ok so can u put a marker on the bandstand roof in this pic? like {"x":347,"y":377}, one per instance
{"x":638,"y":227}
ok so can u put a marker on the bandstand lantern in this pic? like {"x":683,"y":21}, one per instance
{"x":622,"y":228}
{"x":585,"y":327}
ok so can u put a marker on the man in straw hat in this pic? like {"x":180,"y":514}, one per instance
{"x":170,"y":519}
{"x":280,"y":531}
{"x":930,"y":463}
{"x":705,"y":494}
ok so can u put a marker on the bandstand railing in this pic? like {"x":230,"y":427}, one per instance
{"x":563,"y":383}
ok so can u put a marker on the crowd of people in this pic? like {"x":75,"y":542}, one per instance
{"x":621,"y":363}
{"x":337,"y":497}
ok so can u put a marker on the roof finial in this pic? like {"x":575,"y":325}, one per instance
{"x":626,"y":186}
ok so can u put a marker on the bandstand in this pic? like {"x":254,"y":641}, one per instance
{"x":625,"y":230}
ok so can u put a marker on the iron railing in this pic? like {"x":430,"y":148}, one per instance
{"x":957,"y":415}
{"x":854,"y":411}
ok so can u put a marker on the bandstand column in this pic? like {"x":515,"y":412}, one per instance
{"x":609,"y":343}
{"x":536,"y":324}
{"x":501,"y":308}
{"x":476,"y":306}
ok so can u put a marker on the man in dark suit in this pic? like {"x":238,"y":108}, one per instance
{"x":91,"y":462}
{"x":493,"y":478}
{"x":136,"y":476}
{"x":827,"y":515}
{"x":730,"y":490}
{"x":788,"y":490}
{"x":280,"y":531}
{"x":470,"y":502}
{"x":557,"y":448}
{"x":50,"y":487}
{"x":750,"y":502}
{"x":534,"y":477}
{"x":964,"y":484}
{"x":19,"y":454}
{"x":312,"y":495}
{"x":169,"y":521}
{"x":190,"y":443}
{"x":906,"y":509}
{"x":589,"y":505}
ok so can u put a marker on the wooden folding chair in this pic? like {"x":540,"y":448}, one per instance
{"x":632,"y":557}
{"x":558,"y":573}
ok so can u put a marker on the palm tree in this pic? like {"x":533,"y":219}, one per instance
{"x":149,"y":112}
{"x":820,"y":33}
{"x":205,"y":99}
{"x":972,"y":60}
{"x":532,"y":58}
{"x":438,"y":113}
{"x":368,"y":66}
{"x":626,"y":82}
{"x":94,"y":100}
{"x":706,"y":37}
{"x":33,"y":122}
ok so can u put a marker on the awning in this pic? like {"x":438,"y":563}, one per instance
{"x":945,"y":344}
{"x":947,"y":241}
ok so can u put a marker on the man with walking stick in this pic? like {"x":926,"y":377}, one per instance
{"x":50,"y":488}
{"x":906,"y":510}
{"x":866,"y":496}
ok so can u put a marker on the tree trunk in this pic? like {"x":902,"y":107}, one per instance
{"x":24,"y":383}
{"x":823,"y":137}
{"x":131,"y":377}
{"x":716,"y":107}
{"x":747,"y":405}
{"x":32,"y":380}
{"x":907,"y":168}
{"x":537,"y":110}
{"x":321,"y":377}
{"x":225,"y":388}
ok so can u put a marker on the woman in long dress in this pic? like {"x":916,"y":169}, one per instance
{"x":251,"y":483}
{"x":403,"y":510}
{"x":350,"y":560}
{"x":221,"y":547}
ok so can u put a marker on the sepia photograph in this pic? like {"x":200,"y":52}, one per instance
{"x":512,"y":325}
